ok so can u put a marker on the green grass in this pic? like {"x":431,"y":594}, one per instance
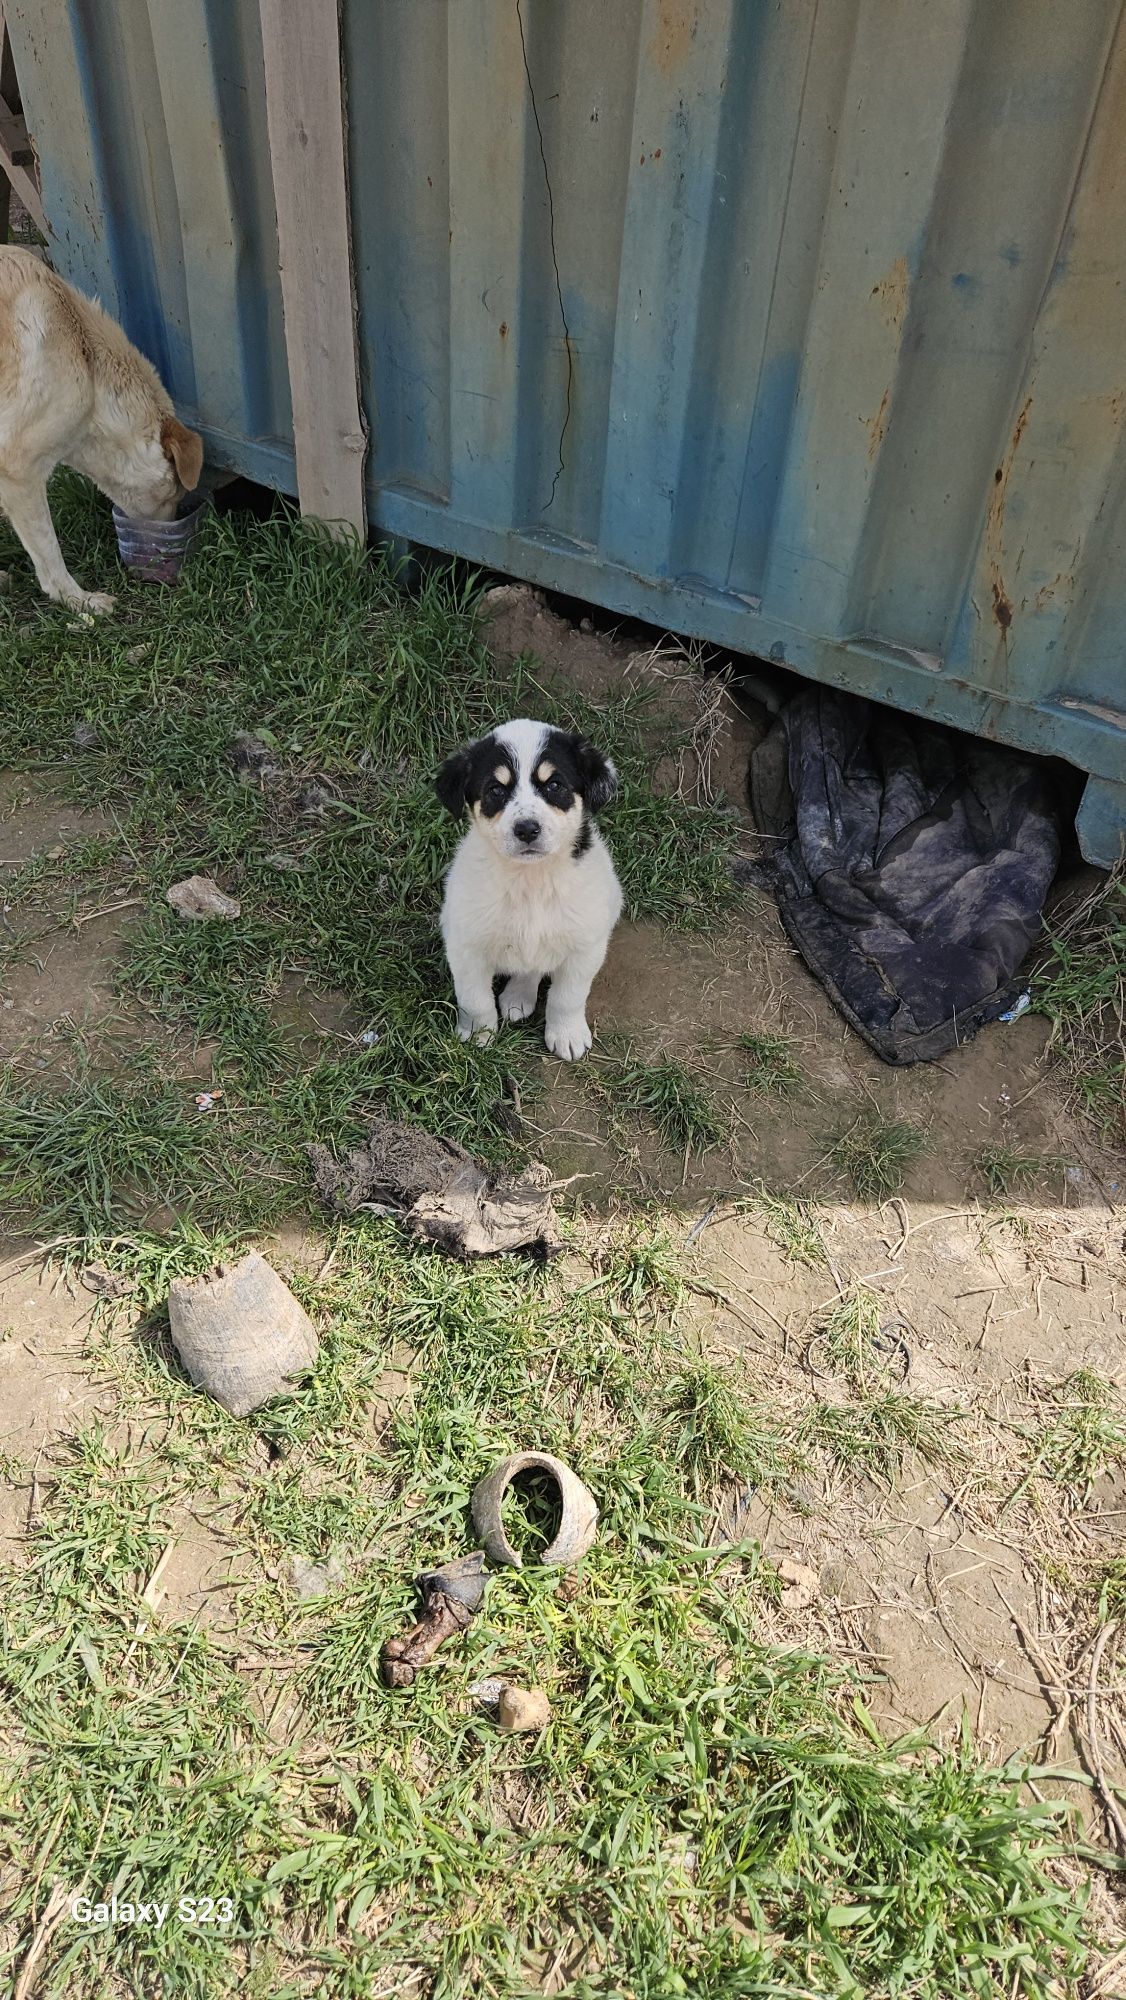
{"x":337,"y":860}
{"x":770,"y":1064}
{"x":1086,"y":1434}
{"x":848,"y":1341}
{"x":1081,"y":988}
{"x":673,"y":1099}
{"x":873,"y":1153}
{"x":1006,"y":1171}
{"x":875,"y":1436}
{"x":705,"y":1815}
{"x":791,"y":1226}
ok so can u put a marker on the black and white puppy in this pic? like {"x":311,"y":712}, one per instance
{"x":531,"y":892}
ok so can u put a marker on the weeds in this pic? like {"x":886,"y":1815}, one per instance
{"x":1081,"y":988}
{"x":874,"y":1437}
{"x":1086,"y":1434}
{"x":791,"y":1226}
{"x":873,"y":1153}
{"x":849,"y":1341}
{"x":672,"y":1098}
{"x":1007,"y":1172}
{"x":771,"y":1067}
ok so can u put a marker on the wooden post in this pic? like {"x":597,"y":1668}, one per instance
{"x":306,"y":123}
{"x":17,"y":161}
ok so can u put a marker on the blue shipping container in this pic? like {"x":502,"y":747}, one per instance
{"x":796,"y":327}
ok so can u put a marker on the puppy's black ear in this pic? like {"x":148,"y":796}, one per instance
{"x":598,"y":778}
{"x":452,"y":782}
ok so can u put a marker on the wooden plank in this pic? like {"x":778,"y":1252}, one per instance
{"x":305,"y":118}
{"x":17,"y":159}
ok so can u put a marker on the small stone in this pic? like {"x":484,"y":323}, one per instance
{"x":314,"y":1579}
{"x":521,"y":1709}
{"x":136,"y":654}
{"x":198,"y":898}
{"x":802,"y":1586}
{"x":107,"y":1284}
{"x":488,"y":1692}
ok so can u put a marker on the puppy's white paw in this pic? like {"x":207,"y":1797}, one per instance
{"x":518,"y":996}
{"x":479,"y":1028}
{"x":94,"y":602}
{"x":569,"y":1039}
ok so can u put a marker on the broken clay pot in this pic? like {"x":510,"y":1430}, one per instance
{"x":578,"y":1510}
{"x":240,"y":1333}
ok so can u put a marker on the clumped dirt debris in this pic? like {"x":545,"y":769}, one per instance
{"x":440,"y":1192}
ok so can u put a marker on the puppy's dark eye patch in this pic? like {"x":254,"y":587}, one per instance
{"x":494,"y":798}
{"x":556,"y":791}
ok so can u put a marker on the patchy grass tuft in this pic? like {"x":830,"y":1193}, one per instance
{"x":674,"y":1100}
{"x":849,"y":1342}
{"x":1081,"y":988}
{"x":875,"y":1436}
{"x":1085,"y":1435}
{"x":791,"y":1226}
{"x":771,"y":1066}
{"x":1007,"y":1172}
{"x":873,"y":1153}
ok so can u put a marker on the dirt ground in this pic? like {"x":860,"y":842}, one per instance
{"x":937,"y":1586}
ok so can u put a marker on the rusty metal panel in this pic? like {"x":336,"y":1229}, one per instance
{"x":800,"y":328}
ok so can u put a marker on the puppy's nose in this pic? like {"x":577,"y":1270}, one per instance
{"x":527,"y":830}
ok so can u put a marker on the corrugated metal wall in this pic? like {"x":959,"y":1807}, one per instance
{"x":793,"y":325}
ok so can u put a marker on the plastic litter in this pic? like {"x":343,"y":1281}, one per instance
{"x":155,"y":550}
{"x":1020,"y":1006}
{"x":198,"y":898}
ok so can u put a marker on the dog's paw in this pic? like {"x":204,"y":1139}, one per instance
{"x":479,"y":1028}
{"x":518,"y":996}
{"x":94,"y":603}
{"x":568,"y":1039}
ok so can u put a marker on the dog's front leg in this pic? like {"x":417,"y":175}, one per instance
{"x":24,"y":501}
{"x":473,"y":986}
{"x":565,"y":1028}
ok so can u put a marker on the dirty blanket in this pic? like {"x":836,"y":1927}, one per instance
{"x":910,"y":864}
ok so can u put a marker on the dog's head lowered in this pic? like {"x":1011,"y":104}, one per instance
{"x":529,"y":789}
{"x":160,"y":466}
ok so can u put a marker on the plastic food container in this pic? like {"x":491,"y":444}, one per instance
{"x":155,"y":550}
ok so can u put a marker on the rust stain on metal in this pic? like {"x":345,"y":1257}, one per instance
{"x":504,"y":329}
{"x":877,"y":425}
{"x":995,"y":525}
{"x":892,"y":291}
{"x":673,"y":35}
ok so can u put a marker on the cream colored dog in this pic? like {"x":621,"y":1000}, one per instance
{"x":75,"y":391}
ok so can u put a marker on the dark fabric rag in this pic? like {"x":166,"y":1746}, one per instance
{"x":910,"y":864}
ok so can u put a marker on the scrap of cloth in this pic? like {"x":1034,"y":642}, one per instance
{"x":910,"y":866}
